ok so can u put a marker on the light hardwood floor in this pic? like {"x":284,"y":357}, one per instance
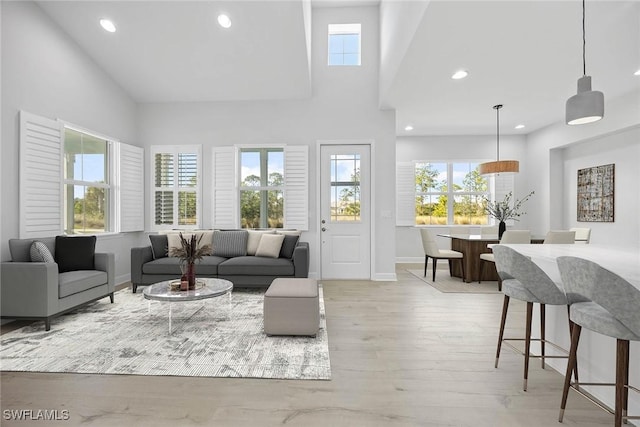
{"x":402,"y":354}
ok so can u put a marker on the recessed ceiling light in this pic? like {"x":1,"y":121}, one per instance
{"x":460,"y":74}
{"x":637,"y":73}
{"x":408,"y":127}
{"x":224,"y":21}
{"x":108,"y":25}
{"x":519,"y":126}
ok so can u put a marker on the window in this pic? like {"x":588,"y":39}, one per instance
{"x":176,"y":188}
{"x":449,"y":193}
{"x":86,"y":199}
{"x":344,"y":44}
{"x":261,"y":187}
{"x":345,"y":187}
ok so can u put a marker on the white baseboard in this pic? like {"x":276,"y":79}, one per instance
{"x":385,"y":277}
{"x":123,"y":278}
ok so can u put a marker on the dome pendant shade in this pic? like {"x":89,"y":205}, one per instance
{"x":586,"y":106}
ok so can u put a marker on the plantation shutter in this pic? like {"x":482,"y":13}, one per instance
{"x":131,"y":176}
{"x":405,"y":194}
{"x":225,"y":194}
{"x":41,"y":210}
{"x":296,"y":187}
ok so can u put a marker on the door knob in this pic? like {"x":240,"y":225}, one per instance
{"x":323,"y":221}
{"x":324,"y":229}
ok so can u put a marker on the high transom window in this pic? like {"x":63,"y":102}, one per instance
{"x":344,"y":44}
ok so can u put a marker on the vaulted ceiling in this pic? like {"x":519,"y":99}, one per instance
{"x":523,"y":54}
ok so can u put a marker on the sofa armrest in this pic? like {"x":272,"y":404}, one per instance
{"x":301,"y":259}
{"x":107,"y":262}
{"x":139,"y":256}
{"x":29,"y":289}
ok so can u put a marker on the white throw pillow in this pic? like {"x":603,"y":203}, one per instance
{"x":254,"y":240}
{"x":270,"y":245}
{"x":173,"y":240}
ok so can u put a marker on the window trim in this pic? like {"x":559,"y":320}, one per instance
{"x":264,"y":175}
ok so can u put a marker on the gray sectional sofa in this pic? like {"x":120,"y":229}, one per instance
{"x":235,"y":257}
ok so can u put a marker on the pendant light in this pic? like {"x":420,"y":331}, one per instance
{"x":499,"y":166}
{"x":587,"y":105}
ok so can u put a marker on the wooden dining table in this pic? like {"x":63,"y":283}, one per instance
{"x":471,"y":246}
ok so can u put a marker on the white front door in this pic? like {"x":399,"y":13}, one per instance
{"x":345,"y":217}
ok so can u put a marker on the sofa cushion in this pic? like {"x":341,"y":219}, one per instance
{"x":40,"y":253}
{"x":230,"y":243}
{"x":288,"y":246}
{"x":253,"y":239}
{"x":202,"y":238}
{"x":72,"y":282}
{"x":159,"y":245}
{"x":256,"y":266}
{"x":270,"y":245}
{"x":207,"y":266}
{"x":75,"y":253}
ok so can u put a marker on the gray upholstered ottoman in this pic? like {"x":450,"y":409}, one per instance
{"x":291,"y":307}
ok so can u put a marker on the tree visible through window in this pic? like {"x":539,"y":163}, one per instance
{"x":86,"y":183}
{"x":261,"y":187}
{"x":450,"y":193}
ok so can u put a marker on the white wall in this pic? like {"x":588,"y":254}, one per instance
{"x":344,"y":106}
{"x":44,"y":72}
{"x":462,"y":148}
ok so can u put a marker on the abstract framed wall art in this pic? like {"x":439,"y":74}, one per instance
{"x":596,"y":188}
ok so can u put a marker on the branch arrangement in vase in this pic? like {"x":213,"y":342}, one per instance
{"x":505,"y":210}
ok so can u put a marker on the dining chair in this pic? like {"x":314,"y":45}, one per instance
{"x":560,"y":237}
{"x":602,"y":302}
{"x":525,"y":281}
{"x":509,"y":236}
{"x":432,"y":251}
{"x":583,"y":235}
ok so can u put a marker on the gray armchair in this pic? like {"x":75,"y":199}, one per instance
{"x":37,"y":291}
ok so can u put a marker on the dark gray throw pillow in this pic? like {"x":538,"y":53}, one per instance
{"x":159,"y":245}
{"x":75,"y":253}
{"x":230,"y":244}
{"x":288,"y":246}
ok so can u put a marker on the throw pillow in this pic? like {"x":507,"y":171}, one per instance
{"x":75,"y":253}
{"x":288,"y":246}
{"x":230,"y":243}
{"x":270,"y":245}
{"x":254,"y":240}
{"x":39,"y":252}
{"x":159,"y":245}
{"x":173,"y":241}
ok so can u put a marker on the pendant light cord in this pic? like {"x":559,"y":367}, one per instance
{"x":497,"y":108}
{"x":584,"y":43}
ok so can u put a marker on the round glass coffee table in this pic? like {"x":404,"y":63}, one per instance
{"x":206,"y":288}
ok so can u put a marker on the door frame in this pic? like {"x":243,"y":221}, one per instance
{"x":372,"y":217}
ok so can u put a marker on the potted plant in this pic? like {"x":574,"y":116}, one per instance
{"x":189,"y":252}
{"x":505,"y":210}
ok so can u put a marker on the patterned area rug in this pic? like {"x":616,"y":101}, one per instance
{"x":130,"y":337}
{"x":445,"y":283}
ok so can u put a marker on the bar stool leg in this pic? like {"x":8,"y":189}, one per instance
{"x":426,"y":260}
{"x":575,"y":368}
{"x":573,"y":359}
{"x":622,"y":363}
{"x":434,"y":269}
{"x":527,"y":344}
{"x":542,"y":329}
{"x":505,"y":307}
